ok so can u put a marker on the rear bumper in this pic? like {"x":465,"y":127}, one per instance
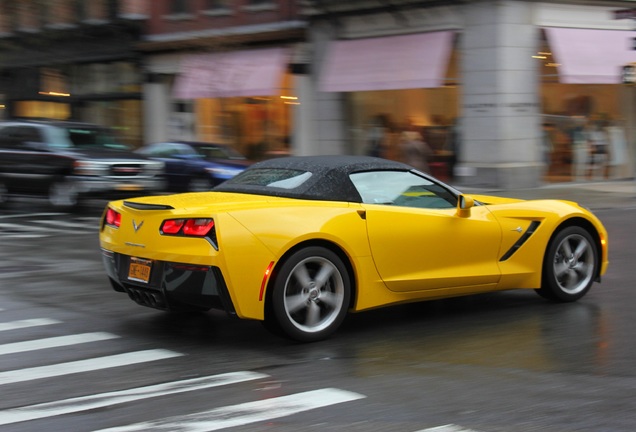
{"x":171,"y":286}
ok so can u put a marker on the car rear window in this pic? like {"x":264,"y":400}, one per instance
{"x":271,"y":177}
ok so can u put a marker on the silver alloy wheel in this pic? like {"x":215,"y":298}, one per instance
{"x":63,"y":194}
{"x":314,"y":294}
{"x":573,"y":264}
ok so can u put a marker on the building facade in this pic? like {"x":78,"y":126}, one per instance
{"x":221,"y":71}
{"x":506,"y":93}
{"x":65,"y":59}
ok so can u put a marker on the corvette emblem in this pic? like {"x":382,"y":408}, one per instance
{"x":135,"y":226}
{"x":518,"y":229}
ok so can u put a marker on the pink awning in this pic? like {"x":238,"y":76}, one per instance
{"x":589,"y":56}
{"x":387,"y":63}
{"x":229,"y":74}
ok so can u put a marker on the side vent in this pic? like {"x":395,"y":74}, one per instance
{"x":526,"y":235}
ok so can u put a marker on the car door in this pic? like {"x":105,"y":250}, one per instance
{"x":420,"y":242}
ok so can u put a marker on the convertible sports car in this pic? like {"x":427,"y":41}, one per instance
{"x":298,"y":242}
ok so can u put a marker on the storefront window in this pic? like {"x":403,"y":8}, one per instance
{"x":122,"y":115}
{"x":42,"y":109}
{"x":258,"y":127}
{"x":584,"y":126}
{"x":384,"y":122}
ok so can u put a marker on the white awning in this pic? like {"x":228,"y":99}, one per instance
{"x":229,"y":74}
{"x":590,"y":56}
{"x":387,"y":63}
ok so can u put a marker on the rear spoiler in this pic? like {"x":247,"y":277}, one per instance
{"x":142,"y":206}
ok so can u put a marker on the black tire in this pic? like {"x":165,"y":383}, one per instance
{"x":569,"y":266}
{"x":311,"y":295}
{"x":63,"y":195}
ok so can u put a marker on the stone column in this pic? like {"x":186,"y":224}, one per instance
{"x":501,"y":132}
{"x":156,"y":106}
{"x":329,"y":120}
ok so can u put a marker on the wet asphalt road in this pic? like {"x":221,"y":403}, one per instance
{"x":497,"y":362}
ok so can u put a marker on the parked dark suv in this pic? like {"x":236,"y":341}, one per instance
{"x":69,"y":161}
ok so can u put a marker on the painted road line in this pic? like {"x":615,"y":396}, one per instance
{"x":13,"y":227}
{"x":23,"y":236}
{"x":54,"y":342}
{"x":72,"y":224}
{"x":85,"y":403}
{"x":246,"y":413}
{"x":31,"y":215}
{"x":60,"y":369}
{"x":447,"y":428}
{"x":15,"y":325}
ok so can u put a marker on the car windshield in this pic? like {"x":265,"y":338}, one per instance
{"x":271,"y":177}
{"x":217,"y":152}
{"x":85,"y":137}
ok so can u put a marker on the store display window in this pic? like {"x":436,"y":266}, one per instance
{"x":584,"y":125}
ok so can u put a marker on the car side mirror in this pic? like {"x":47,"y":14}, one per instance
{"x":464,"y":204}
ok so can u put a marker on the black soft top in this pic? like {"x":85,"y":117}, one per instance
{"x":329,"y":180}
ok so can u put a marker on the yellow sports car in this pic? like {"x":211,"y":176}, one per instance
{"x":298,"y":242}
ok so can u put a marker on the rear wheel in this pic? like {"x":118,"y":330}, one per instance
{"x":569,"y":266}
{"x":63,"y":194}
{"x":311,"y":295}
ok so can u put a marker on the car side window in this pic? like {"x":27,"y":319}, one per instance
{"x":15,"y":137}
{"x":29,"y":134}
{"x":402,"y":188}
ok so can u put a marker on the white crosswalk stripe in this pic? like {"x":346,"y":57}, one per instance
{"x":38,"y":225}
{"x":102,"y":400}
{"x":54,"y":342}
{"x":21,"y":324}
{"x":246,"y":413}
{"x":55,"y":370}
{"x":220,"y":417}
{"x":447,"y":428}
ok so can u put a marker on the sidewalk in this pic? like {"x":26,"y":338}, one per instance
{"x":594,"y":195}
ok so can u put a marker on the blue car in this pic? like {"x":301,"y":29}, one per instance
{"x":195,"y":166}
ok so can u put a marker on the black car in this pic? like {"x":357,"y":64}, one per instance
{"x":70,"y":161}
{"x":195,"y":166}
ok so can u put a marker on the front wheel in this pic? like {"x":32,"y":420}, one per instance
{"x":311,"y":295}
{"x":569,"y":266}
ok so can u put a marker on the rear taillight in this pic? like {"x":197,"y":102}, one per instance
{"x":199,"y":227}
{"x":112,"y":218}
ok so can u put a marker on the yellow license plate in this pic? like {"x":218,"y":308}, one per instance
{"x":128,"y":187}
{"x":139,"y":269}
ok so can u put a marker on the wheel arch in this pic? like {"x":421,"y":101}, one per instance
{"x":333,"y":247}
{"x":591,"y":229}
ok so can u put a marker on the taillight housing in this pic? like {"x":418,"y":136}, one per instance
{"x":112,"y":218}
{"x":195,"y":227}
